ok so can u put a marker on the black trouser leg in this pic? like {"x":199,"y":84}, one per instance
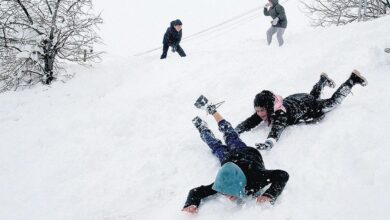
{"x":317,"y":88}
{"x":180,"y":51}
{"x":165,"y":51}
{"x":327,"y":105}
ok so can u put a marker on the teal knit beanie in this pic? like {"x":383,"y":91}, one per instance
{"x":230,"y":180}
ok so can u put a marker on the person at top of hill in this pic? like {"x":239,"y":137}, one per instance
{"x":279,"y":22}
{"x":172,"y":38}
{"x":242,"y":173}
{"x":297,"y":108}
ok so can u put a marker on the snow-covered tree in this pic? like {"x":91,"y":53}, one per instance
{"x":37,"y":36}
{"x":341,"y":12}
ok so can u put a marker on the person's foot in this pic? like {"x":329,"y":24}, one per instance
{"x":163,"y":56}
{"x":328,"y":81}
{"x":199,"y":123}
{"x":203,"y":103}
{"x":357,"y":78}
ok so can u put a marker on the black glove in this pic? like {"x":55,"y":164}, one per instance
{"x":267,"y":145}
{"x":174,"y":48}
{"x":238,"y":130}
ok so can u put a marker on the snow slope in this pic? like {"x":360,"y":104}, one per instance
{"x":116,"y":142}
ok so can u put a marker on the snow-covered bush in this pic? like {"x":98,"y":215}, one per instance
{"x":341,"y":12}
{"x":37,"y":36}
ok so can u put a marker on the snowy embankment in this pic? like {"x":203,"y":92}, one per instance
{"x":117,"y":142}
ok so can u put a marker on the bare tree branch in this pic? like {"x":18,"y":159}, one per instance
{"x":48,"y":6}
{"x":25,"y":11}
{"x":341,"y":12}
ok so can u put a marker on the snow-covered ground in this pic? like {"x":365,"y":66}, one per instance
{"x":116,"y":142}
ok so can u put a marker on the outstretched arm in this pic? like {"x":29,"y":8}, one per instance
{"x":278,"y":180}
{"x":248,"y":124}
{"x":278,"y":125}
{"x":196,"y":195}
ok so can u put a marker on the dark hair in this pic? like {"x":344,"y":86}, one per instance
{"x":266,"y":100}
{"x":178,"y":22}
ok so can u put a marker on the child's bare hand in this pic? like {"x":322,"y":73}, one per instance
{"x":263,"y":200}
{"x":191,"y":209}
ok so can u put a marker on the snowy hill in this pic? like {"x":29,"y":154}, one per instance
{"x":116,"y":142}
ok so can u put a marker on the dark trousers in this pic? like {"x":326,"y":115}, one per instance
{"x":230,"y":136}
{"x":317,"y":88}
{"x":178,"y":50}
{"x":326,"y":105}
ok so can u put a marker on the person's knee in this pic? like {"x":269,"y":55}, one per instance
{"x":224,"y":126}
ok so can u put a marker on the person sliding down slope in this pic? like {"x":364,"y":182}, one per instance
{"x":297,"y":108}
{"x":242,"y":173}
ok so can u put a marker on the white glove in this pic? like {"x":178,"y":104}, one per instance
{"x":275,"y":21}
{"x":267,"y":5}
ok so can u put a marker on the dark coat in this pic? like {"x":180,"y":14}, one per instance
{"x":171,"y":36}
{"x":300,"y":108}
{"x":277,"y":11}
{"x":251,"y":163}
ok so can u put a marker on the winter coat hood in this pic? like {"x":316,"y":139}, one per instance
{"x":274,"y":2}
{"x":278,"y":104}
{"x":230,"y":180}
{"x":176,"y":22}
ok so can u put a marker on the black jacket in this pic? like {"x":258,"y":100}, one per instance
{"x":251,"y":163}
{"x":277,"y":11}
{"x":171,"y":36}
{"x":300,"y":108}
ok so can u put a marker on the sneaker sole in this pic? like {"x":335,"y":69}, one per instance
{"x":332,"y":83}
{"x":196,"y":119}
{"x":357,"y":73}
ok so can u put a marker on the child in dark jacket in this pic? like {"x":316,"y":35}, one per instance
{"x":279,"y":22}
{"x":242,"y":173}
{"x":172,"y":38}
{"x":297,"y":108}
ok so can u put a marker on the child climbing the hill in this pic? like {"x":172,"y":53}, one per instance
{"x":297,"y":108}
{"x":242,"y":173}
{"x":172,"y":38}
